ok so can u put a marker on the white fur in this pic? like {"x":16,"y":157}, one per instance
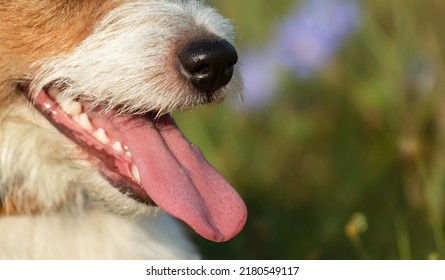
{"x":92,"y":235}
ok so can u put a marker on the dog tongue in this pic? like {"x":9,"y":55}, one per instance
{"x":178,"y":178}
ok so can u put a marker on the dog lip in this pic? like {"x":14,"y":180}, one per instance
{"x":115,"y":168}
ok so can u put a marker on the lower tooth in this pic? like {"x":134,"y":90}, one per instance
{"x":71,"y":107}
{"x":101,"y":136}
{"x":117,"y":146}
{"x":84,"y":121}
{"x":135,"y":173}
{"x":54,"y":92}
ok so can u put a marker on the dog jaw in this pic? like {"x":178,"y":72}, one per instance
{"x":120,"y":55}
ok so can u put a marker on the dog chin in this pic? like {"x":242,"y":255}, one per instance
{"x":101,"y":194}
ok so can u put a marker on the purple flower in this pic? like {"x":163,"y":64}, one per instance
{"x":259,"y":69}
{"x":314,"y":31}
{"x":306,"y":41}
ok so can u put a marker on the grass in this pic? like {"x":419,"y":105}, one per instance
{"x":365,"y":135}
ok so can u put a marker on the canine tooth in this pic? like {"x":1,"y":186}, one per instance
{"x":101,"y":136}
{"x":54,"y":92}
{"x":71,"y":107}
{"x":84,"y":121}
{"x":135,"y":172}
{"x":128,"y":154}
{"x":117,"y":146}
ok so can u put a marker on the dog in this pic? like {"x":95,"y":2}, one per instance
{"x":92,"y":165}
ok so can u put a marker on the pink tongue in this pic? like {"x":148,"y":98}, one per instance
{"x":177,"y":177}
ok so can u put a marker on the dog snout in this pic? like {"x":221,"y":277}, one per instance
{"x":208,"y":64}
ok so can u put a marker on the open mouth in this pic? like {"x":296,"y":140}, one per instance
{"x":149,"y":159}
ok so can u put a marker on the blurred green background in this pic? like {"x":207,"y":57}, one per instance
{"x":347,"y":162}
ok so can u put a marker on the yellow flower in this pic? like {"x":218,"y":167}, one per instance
{"x":356,"y":225}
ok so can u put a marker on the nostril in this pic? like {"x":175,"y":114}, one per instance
{"x":208,"y":64}
{"x":201,"y":69}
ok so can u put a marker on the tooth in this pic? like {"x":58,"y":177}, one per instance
{"x":83,"y":121}
{"x":71,"y":107}
{"x":128,"y":154}
{"x":101,"y":136}
{"x":54,"y":92}
{"x":135,"y":172}
{"x":117,"y":146}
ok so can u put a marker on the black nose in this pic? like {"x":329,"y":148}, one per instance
{"x":208,"y":64}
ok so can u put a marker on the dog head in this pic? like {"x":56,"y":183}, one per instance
{"x":86,"y":89}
